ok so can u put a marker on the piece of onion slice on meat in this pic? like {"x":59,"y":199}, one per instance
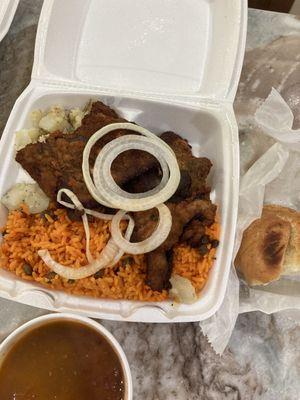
{"x":159,"y":235}
{"x":109,"y":256}
{"x":77,"y":205}
{"x":105,"y":190}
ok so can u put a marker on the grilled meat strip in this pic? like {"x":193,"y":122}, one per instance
{"x":192,"y":168}
{"x":190,"y":206}
{"x":158,"y":268}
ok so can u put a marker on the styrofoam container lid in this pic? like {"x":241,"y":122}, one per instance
{"x":7,"y":12}
{"x":165,"y":64}
{"x":189,"y":49}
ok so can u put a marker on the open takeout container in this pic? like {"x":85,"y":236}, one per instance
{"x":167,"y":65}
{"x":7,"y":12}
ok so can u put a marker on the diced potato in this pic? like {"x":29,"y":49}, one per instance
{"x":25,"y":136}
{"x":55,"y":120}
{"x":28,"y":193}
{"x":35,"y":117}
{"x":75,"y":116}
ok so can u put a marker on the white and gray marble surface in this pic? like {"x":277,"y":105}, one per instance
{"x":175,"y":361}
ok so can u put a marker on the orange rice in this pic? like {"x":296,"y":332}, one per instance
{"x":25,"y":234}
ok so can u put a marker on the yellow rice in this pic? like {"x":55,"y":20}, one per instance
{"x":25,"y":234}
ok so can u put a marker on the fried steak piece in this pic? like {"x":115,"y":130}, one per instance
{"x":193,"y":233}
{"x":158,"y":266}
{"x":190,"y":206}
{"x":193,"y":169}
{"x":56,"y":163}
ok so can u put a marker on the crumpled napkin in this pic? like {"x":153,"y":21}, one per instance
{"x":273,"y":178}
{"x":276,"y":119}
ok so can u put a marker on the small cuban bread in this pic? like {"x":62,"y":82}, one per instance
{"x":270,"y":246}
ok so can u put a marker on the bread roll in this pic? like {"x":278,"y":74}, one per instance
{"x":270,"y":246}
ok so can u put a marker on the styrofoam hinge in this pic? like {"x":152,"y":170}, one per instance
{"x":183,"y":99}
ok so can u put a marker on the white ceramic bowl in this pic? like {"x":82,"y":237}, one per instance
{"x":16,"y":335}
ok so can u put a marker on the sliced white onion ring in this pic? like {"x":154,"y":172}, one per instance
{"x":127,"y":236}
{"x":110,"y":194}
{"x":77,"y":204}
{"x":86,"y":227}
{"x":134,"y":201}
{"x":72,"y":196}
{"x":152,"y":242}
{"x":109,"y":256}
{"x":102,"y":168}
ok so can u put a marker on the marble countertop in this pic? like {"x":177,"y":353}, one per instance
{"x":175,"y":361}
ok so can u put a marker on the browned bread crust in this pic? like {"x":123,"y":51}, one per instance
{"x":270,"y":246}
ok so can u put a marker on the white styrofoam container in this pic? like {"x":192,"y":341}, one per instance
{"x":7,"y":12}
{"x":167,"y":65}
